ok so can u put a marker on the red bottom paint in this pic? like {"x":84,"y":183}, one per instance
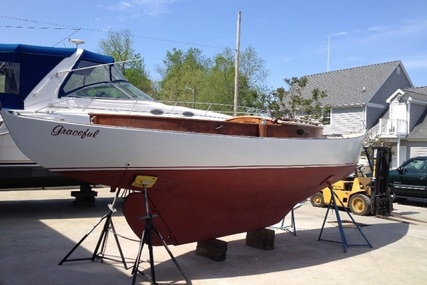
{"x":194,"y":205}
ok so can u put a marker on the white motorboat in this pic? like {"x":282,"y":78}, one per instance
{"x":70,"y":83}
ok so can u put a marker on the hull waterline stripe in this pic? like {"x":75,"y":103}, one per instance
{"x":200,"y":167}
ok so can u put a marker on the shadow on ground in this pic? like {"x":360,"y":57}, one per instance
{"x":31,"y":249}
{"x":290,"y":252}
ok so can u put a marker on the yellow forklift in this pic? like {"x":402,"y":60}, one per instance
{"x":363,"y":194}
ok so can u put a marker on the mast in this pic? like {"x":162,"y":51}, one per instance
{"x":236,"y":68}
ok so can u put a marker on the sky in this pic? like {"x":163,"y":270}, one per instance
{"x":293,"y":38}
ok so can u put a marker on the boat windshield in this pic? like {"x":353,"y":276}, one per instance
{"x":101,"y":81}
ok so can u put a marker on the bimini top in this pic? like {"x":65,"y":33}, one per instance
{"x":22,"y":67}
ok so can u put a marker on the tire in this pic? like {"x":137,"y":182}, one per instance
{"x":317,"y":200}
{"x":360,"y":205}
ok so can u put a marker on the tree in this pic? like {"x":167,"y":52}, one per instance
{"x":189,"y":76}
{"x":252,"y":76}
{"x":252,"y":68}
{"x":292,"y":104}
{"x":220,"y":79}
{"x":183,"y":75}
{"x":131,"y":64}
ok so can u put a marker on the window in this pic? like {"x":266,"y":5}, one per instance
{"x":326,"y":116}
{"x":9,"y":77}
{"x":87,"y":73}
{"x":101,"y":81}
{"x":415,"y":166}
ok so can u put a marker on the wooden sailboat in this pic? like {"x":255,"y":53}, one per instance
{"x":213,"y":178}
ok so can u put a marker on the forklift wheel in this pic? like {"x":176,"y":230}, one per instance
{"x":317,"y":200}
{"x":360,"y":204}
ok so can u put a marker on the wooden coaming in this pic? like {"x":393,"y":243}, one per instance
{"x":237,"y":126}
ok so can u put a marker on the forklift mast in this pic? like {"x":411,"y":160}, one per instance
{"x":379,"y":159}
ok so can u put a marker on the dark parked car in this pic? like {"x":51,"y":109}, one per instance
{"x":410,"y":179}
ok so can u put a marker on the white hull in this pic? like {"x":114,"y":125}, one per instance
{"x":59,"y":145}
{"x":203,"y":179}
{"x":9,"y":151}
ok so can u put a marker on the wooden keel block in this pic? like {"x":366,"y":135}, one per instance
{"x":85,"y":197}
{"x":213,"y":249}
{"x":261,"y":239}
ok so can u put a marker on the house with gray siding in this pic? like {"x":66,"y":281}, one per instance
{"x":378,"y":98}
{"x":357,"y":96}
{"x":404,"y":126}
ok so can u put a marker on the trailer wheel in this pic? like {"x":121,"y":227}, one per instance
{"x":360,"y":204}
{"x":317,"y":200}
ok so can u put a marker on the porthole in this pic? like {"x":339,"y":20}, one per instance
{"x":157,"y":112}
{"x":188,"y":114}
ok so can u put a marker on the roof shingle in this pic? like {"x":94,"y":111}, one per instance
{"x":351,"y":86}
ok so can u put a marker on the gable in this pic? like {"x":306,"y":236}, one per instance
{"x":359,"y":85}
{"x":409,"y":104}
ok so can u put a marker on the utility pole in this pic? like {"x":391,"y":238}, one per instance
{"x":329,"y":47}
{"x":236,"y":68}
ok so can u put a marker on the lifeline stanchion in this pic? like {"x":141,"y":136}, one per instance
{"x":102,"y":241}
{"x":344,"y":243}
{"x":147,"y":237}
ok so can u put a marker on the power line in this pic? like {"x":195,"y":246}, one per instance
{"x":37,"y":22}
{"x":76,"y":29}
{"x":34,"y":28}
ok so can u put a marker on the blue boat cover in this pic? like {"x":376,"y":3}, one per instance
{"x":30,"y":64}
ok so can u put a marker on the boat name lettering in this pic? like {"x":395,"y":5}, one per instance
{"x":60,"y":130}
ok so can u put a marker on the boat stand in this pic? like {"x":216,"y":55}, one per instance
{"x":101,"y":245}
{"x":147,"y":237}
{"x":292,"y":227}
{"x":333,"y":204}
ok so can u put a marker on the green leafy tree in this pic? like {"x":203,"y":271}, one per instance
{"x":183,"y":75}
{"x":291,"y":103}
{"x":252,"y":76}
{"x":119,"y":46}
{"x":189,"y":76}
{"x":220,"y":79}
